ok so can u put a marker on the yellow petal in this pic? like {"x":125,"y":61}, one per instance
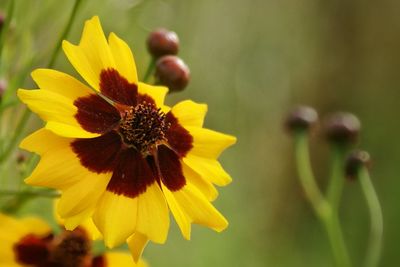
{"x":208,"y":143}
{"x":49,"y":106}
{"x":180,"y":216}
{"x":158,"y":93}
{"x":91,"y":229}
{"x":78,"y":219}
{"x":199,"y":209}
{"x":153,"y":214}
{"x":208,"y":169}
{"x":36,"y":226}
{"x":69,"y":131}
{"x":43,"y":141}
{"x":123,"y":58}
{"x":190,"y":113}
{"x":83,"y":195}
{"x":60,"y":83}
{"x":203,"y":184}
{"x":92,"y":55}
{"x":115,"y":217}
{"x":120,"y":259}
{"x":59,"y":169}
{"x":137,"y":242}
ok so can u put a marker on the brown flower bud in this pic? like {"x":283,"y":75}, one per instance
{"x":355,"y":161}
{"x":3,"y":87}
{"x":342,"y":128}
{"x":172,"y":72}
{"x":2,"y":19}
{"x":301,"y":118}
{"x":162,"y":42}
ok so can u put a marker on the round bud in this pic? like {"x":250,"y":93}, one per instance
{"x":355,"y":161}
{"x":172,"y":72}
{"x":301,"y":118}
{"x":342,"y":128}
{"x":2,"y":19}
{"x":3,"y":87}
{"x":162,"y":42}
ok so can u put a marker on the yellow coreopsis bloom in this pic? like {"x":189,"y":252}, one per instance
{"x":30,"y":242}
{"x":117,"y":153}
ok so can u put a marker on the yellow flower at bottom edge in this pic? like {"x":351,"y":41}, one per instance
{"x":117,"y":153}
{"x":29,"y":242}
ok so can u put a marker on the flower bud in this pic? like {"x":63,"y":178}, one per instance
{"x":3,"y":87}
{"x":172,"y":72}
{"x":355,"y":161}
{"x":301,"y":118}
{"x":162,"y":42}
{"x":342,"y":128}
{"x":2,"y":19}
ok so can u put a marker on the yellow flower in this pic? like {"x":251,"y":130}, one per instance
{"x":117,"y":153}
{"x":31,"y":242}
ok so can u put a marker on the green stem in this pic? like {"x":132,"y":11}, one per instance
{"x":64,"y":34}
{"x":376,"y":230}
{"x":42,"y":193}
{"x":6,"y":25}
{"x":322,"y":207}
{"x":337,"y":179}
{"x":26,"y":114}
{"x":150,"y":69}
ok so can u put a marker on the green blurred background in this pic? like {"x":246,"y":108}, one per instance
{"x":252,"y":61}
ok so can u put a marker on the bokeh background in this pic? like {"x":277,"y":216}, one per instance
{"x":252,"y":61}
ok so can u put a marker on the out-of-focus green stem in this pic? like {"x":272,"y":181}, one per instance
{"x":149,"y":71}
{"x":26,"y":113}
{"x":65,"y":33}
{"x":311,"y":189}
{"x":376,"y":230}
{"x":322,"y":207}
{"x":42,"y":193}
{"x":336,"y":183}
{"x":6,"y":25}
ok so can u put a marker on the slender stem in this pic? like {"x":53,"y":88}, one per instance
{"x":65,"y":33}
{"x":150,"y":69}
{"x":43,"y":193}
{"x":15,"y":138}
{"x":322,"y":207}
{"x":337,"y":179}
{"x":376,"y":229}
{"x":6,"y":25}
{"x":306,"y":176}
{"x":26,"y":114}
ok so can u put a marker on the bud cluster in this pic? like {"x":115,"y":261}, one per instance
{"x":170,"y":70}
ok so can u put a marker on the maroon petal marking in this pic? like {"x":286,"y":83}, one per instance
{"x":171,"y":169}
{"x":99,"y":261}
{"x":117,"y":88}
{"x":98,"y":154}
{"x":95,"y":115}
{"x":31,"y":250}
{"x":132,"y":174}
{"x":178,"y":137}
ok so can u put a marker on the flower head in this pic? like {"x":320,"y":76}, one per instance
{"x":31,"y":242}
{"x":117,"y":153}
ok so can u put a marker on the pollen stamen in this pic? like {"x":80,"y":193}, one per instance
{"x":143,"y":127}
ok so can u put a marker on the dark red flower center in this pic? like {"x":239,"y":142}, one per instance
{"x":143,"y":127}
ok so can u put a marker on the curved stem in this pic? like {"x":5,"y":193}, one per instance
{"x":337,"y":179}
{"x":376,"y":230}
{"x":42,"y":193}
{"x":149,"y":70}
{"x":64,"y":34}
{"x":26,"y":114}
{"x":322,"y":207}
{"x":6,"y":25}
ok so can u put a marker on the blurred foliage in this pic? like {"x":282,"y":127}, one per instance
{"x":251,"y":61}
